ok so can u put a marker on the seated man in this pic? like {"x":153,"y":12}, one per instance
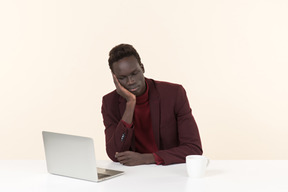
{"x":146,"y":121}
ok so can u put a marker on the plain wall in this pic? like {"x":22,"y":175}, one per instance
{"x":231,"y":57}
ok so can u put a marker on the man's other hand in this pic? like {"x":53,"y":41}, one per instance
{"x":131,"y":158}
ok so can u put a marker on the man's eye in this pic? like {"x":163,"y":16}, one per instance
{"x":121,"y":78}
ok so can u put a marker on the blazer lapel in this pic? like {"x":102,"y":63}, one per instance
{"x":154,"y":103}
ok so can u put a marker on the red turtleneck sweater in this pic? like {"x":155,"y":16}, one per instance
{"x":144,"y":138}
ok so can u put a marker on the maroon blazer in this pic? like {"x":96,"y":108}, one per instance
{"x":174,"y":128}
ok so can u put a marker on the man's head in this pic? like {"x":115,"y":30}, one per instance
{"x":121,"y":51}
{"x":125,"y":63}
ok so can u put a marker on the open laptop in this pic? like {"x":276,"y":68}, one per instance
{"x":73,"y":156}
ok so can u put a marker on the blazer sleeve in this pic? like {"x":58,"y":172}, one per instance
{"x":189,"y":142}
{"x":118,"y":137}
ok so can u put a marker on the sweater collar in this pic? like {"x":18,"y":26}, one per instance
{"x":144,"y":97}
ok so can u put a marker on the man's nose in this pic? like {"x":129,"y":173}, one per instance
{"x":130,"y":80}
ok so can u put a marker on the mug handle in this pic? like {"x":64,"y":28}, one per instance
{"x":208,"y":162}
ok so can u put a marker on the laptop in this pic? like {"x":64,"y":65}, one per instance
{"x":73,"y":156}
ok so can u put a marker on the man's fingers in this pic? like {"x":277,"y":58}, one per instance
{"x":124,"y":157}
{"x":119,"y":88}
{"x":121,"y":156}
{"x":116,"y":82}
{"x":128,"y":158}
{"x":126,"y":161}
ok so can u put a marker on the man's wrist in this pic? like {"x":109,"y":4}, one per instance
{"x":129,"y":111}
{"x":131,"y":102}
{"x":148,"y":158}
{"x":128,"y":125}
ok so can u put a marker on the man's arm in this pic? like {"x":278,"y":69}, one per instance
{"x":118,"y":135}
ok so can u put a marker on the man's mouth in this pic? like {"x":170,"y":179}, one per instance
{"x":133,"y":89}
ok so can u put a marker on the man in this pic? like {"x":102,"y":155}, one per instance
{"x":146,"y":121}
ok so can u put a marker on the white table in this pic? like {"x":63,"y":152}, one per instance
{"x":222,"y":176}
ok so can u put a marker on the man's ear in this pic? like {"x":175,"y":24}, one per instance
{"x":142,"y":67}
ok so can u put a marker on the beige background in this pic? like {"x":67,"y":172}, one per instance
{"x":231,"y":56}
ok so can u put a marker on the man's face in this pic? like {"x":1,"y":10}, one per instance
{"x":130,"y":75}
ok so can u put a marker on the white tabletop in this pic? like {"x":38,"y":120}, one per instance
{"x":228,"y":175}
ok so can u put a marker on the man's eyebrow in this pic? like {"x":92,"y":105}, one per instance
{"x":129,"y":73}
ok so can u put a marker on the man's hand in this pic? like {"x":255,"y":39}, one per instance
{"x":131,"y":158}
{"x":122,"y":91}
{"x":130,"y":98}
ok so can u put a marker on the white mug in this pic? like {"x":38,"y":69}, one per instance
{"x":196,"y":165}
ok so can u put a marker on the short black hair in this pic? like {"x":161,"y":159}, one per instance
{"x":120,"y":51}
